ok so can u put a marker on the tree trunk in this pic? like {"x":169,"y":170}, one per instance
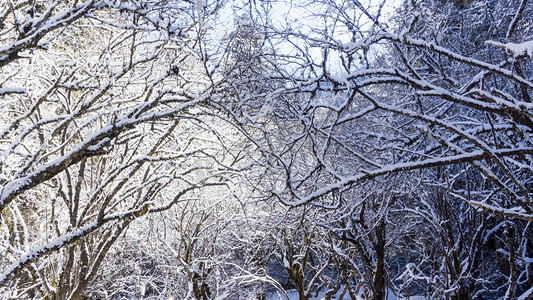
{"x":379,"y":275}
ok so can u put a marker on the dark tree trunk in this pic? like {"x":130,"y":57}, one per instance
{"x":379,"y":275}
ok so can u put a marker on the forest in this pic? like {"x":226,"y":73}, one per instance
{"x":266,"y":149}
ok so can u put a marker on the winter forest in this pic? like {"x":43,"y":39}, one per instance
{"x":266,"y":149}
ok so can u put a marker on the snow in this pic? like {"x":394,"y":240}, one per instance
{"x":40,"y":250}
{"x":59,"y":242}
{"x":53,"y":22}
{"x":516,"y":50}
{"x":12,"y":187}
{"x":526,"y":295}
{"x":491,"y":232}
{"x":12,"y":91}
{"x":467,"y":60}
{"x":464,"y":139}
{"x":407,"y":166}
{"x":200,"y":4}
{"x":286,"y":263}
{"x":100,"y":144}
{"x":515,"y":212}
{"x":351,"y":47}
{"x":293,"y":295}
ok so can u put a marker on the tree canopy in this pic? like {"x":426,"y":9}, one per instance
{"x":218,"y":149}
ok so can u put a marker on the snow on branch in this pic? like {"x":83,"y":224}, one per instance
{"x":518,"y":213}
{"x":430,"y":46}
{"x":12,"y":91}
{"x":37,"y":29}
{"x":408,"y":166}
{"x":521,"y":50}
{"x":66,"y":239}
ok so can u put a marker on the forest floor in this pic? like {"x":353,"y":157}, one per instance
{"x":293,"y":295}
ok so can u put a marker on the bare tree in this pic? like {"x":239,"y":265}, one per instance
{"x":401,"y":148}
{"x":364,"y":100}
{"x":107,"y":128}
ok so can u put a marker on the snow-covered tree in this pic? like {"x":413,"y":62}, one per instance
{"x":322,"y":145}
{"x":443,"y":105}
{"x":102,"y":123}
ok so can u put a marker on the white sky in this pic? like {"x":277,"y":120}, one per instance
{"x":300,"y":16}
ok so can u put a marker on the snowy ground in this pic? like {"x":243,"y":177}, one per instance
{"x":293,"y":295}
